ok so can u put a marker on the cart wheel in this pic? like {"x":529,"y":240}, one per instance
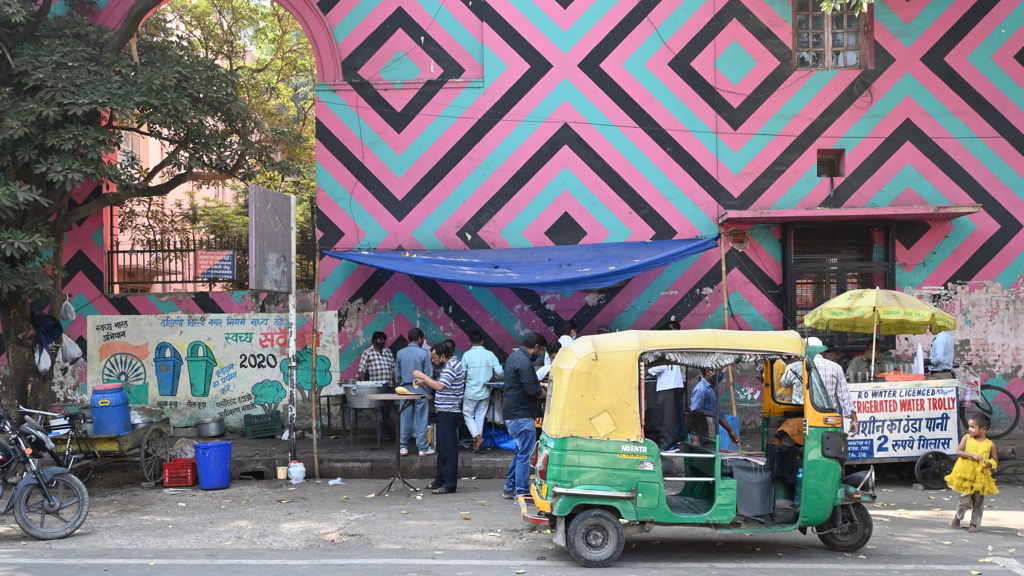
{"x":932,"y":468}
{"x":153,"y":452}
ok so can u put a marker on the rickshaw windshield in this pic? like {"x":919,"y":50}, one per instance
{"x":820,"y":399}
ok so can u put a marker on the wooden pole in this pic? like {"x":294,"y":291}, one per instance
{"x":725,"y":312}
{"x":316,"y":341}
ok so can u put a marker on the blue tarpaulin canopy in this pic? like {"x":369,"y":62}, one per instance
{"x":546,"y":269}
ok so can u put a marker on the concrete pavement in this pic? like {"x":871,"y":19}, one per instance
{"x":274,"y":527}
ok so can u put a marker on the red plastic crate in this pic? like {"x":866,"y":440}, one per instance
{"x":181,"y":472}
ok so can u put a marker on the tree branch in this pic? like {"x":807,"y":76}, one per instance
{"x":136,"y":14}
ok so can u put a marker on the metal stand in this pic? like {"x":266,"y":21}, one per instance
{"x":406,"y":401}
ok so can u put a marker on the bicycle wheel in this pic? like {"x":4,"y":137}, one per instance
{"x":999,"y":405}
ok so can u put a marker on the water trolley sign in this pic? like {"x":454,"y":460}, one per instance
{"x":904,"y":419}
{"x":215,"y":264}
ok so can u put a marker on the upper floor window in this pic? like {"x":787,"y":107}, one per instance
{"x":833,"y":41}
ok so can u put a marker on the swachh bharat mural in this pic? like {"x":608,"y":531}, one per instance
{"x":193,"y":366}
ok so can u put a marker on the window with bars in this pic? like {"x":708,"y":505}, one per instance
{"x":823,"y":41}
{"x":824,"y":261}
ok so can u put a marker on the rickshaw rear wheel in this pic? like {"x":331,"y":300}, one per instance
{"x":595,"y":538}
{"x":847,"y":531}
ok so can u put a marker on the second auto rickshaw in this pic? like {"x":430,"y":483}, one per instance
{"x":597,"y":479}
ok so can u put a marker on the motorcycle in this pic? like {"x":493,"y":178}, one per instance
{"x":48,"y":503}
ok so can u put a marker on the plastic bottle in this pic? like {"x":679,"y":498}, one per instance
{"x":799,"y":485}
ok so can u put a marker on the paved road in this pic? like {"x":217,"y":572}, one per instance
{"x":266,"y":528}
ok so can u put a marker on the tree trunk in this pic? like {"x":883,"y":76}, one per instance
{"x":24,"y":385}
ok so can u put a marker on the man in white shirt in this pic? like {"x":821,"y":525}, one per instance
{"x":668,"y":392}
{"x":568,"y":335}
{"x":552,"y":351}
{"x":940,"y":361}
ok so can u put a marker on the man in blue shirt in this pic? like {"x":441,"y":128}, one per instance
{"x":704,"y":398}
{"x":480,"y":365}
{"x":940,"y":361}
{"x":409,"y":359}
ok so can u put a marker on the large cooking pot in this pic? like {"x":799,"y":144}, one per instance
{"x":211,"y":427}
{"x":356,"y":393}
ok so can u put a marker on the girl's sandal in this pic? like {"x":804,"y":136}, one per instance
{"x":972,"y":528}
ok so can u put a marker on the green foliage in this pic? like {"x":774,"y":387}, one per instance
{"x":269,"y":394}
{"x":858,"y":6}
{"x":275,"y":73}
{"x":69,"y":90}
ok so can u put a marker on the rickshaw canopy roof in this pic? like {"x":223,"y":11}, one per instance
{"x":595,"y":379}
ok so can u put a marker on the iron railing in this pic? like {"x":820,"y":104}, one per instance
{"x":156,"y":265}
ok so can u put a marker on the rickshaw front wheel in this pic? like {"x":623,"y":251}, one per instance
{"x":848,"y":530}
{"x":595,"y":538}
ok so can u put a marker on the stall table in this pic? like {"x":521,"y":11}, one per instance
{"x":912,"y":421}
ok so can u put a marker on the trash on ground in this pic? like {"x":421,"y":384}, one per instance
{"x":336,"y":482}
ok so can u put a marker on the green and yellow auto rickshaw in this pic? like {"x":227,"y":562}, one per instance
{"x":597,"y":479}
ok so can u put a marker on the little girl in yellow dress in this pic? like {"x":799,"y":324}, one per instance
{"x":972,"y":473}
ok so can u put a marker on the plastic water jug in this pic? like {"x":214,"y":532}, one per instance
{"x":296,"y":472}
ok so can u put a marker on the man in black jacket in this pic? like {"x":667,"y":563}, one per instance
{"x":521,"y":406}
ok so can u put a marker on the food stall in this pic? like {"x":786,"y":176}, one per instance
{"x":903,"y":417}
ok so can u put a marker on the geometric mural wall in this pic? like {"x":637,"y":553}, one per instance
{"x":501,"y":123}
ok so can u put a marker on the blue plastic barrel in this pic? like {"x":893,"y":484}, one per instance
{"x":110,"y":411}
{"x":213,"y":460}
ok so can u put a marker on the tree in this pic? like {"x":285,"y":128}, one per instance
{"x":264,"y":46}
{"x":69,"y":90}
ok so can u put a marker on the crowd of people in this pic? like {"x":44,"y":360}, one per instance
{"x":461,"y":394}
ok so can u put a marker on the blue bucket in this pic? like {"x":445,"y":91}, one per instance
{"x":214,"y":463}
{"x":110,"y":410}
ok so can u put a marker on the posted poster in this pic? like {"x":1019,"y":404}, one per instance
{"x":189,"y":367}
{"x":903,"y":420}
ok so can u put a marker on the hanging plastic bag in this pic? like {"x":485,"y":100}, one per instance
{"x":42,"y":359}
{"x":69,"y":350}
{"x":67,"y":311}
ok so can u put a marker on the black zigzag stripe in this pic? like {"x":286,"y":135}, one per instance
{"x":79,"y":263}
{"x":93,"y":194}
{"x":330,"y":234}
{"x":909,"y":133}
{"x":809,"y":137}
{"x":538,"y":67}
{"x":206,"y":304}
{"x":565,"y":137}
{"x":935,"y":60}
{"x":682,"y":63}
{"x":457,"y":313}
{"x":591,"y":66}
{"x":123,"y":305}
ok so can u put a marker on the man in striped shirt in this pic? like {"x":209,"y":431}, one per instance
{"x":449,"y":388}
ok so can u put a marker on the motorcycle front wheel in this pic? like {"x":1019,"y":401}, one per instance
{"x":45,"y":521}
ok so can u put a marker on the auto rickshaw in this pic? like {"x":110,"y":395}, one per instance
{"x":596,"y":478}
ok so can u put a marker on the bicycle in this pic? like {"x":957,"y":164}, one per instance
{"x":996,"y":402}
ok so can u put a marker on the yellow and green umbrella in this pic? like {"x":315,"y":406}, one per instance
{"x":886,"y":312}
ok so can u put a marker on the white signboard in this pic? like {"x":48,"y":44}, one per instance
{"x":903,"y":420}
{"x":194,"y":366}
